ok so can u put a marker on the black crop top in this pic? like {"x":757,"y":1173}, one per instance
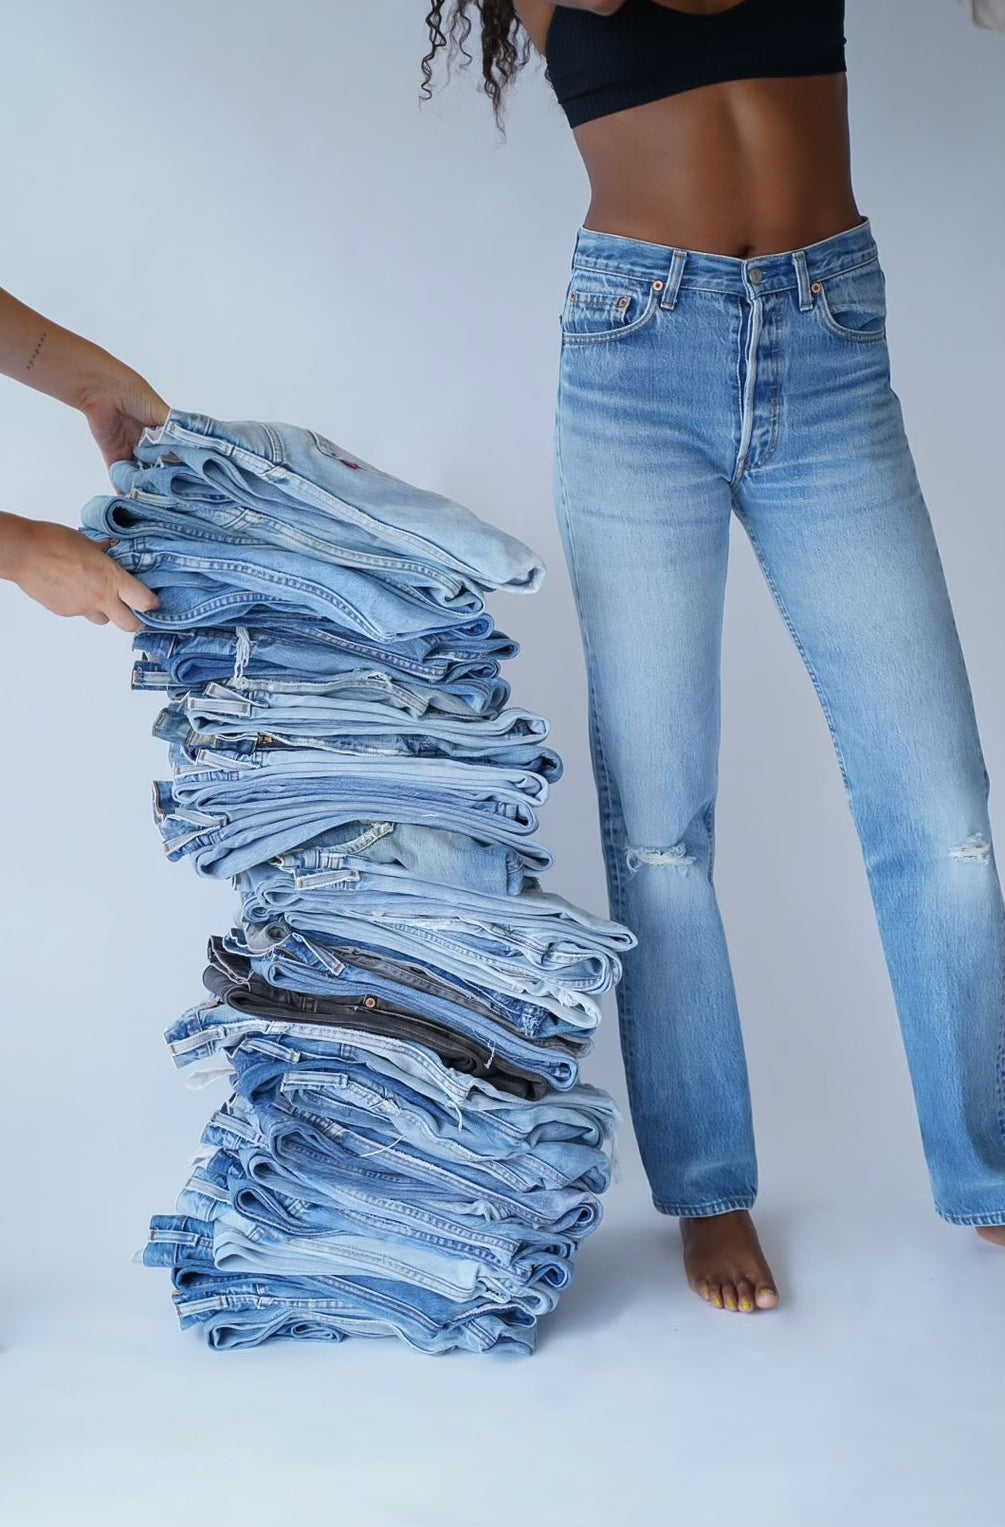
{"x":644,"y":51}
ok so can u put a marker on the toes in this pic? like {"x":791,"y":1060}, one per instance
{"x":766,"y":1297}
{"x":702,"y":1288}
{"x":715,"y":1295}
{"x":745,"y":1295}
{"x":729,"y":1296}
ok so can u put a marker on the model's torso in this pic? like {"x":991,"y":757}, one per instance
{"x":744,"y":168}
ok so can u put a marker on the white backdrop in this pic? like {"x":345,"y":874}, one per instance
{"x":246,"y":202}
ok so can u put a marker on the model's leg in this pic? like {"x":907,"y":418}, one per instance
{"x":837,"y":518}
{"x":645,"y":511}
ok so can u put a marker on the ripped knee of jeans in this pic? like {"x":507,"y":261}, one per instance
{"x":677,"y":857}
{"x":976,"y":849}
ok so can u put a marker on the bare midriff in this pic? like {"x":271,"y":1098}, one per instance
{"x":751,"y":167}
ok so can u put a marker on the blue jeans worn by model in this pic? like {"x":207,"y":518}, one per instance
{"x":694,"y":386}
{"x":291,"y":487}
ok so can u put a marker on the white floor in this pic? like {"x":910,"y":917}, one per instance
{"x":873,"y":1399}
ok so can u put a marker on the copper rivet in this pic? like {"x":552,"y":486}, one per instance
{"x":369,"y":1002}
{"x":816,"y":287}
{"x":623,"y":302}
{"x":657,"y":286}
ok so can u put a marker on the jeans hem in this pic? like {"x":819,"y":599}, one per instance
{"x":706,"y":1211}
{"x":972,"y":1221}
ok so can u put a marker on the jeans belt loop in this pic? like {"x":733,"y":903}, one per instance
{"x":803,"y":281}
{"x":671,"y":286}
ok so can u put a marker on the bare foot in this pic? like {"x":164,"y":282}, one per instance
{"x":725,"y":1264}
{"x":993,"y":1233}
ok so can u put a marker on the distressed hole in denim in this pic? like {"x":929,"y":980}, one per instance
{"x":977,"y":849}
{"x":676,"y":857}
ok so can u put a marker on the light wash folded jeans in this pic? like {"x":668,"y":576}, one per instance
{"x":302,"y":653}
{"x":392,"y":1087}
{"x":291,"y":487}
{"x":234,"y":1310}
{"x":406,"y":852}
{"x":292,"y":961}
{"x":270,"y":1198}
{"x":303,"y":1169}
{"x":363,"y":1235}
{"x":531,"y":944}
{"x":200,"y":744}
{"x":317,"y":1149}
{"x":211,"y":583}
{"x":221,"y":717}
{"x":228,"y":820}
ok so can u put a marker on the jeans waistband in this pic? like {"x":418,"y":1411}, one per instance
{"x":684,"y":268}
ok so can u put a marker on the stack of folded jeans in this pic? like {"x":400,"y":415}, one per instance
{"x":400,"y":1009}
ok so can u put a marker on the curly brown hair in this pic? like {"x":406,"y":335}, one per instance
{"x":505,"y":45}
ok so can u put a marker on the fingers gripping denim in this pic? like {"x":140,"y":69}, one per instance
{"x":695,"y":387}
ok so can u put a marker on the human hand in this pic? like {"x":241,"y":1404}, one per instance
{"x":70,"y":574}
{"x":118,"y":409}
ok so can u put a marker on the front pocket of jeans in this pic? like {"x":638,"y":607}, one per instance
{"x":600,"y":307}
{"x":852,"y":305}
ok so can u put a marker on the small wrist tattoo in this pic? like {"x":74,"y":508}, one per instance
{"x":37,"y":350}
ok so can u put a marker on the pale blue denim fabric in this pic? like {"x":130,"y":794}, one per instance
{"x":695,"y":387}
{"x":235,"y":1311}
{"x":230,"y":819}
{"x":317,"y":965}
{"x":284,"y":1152}
{"x":339,"y":744}
{"x":292,"y":486}
{"x":535,"y":946}
{"x":213,"y":583}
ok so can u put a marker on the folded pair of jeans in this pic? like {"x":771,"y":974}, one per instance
{"x":221,"y":717}
{"x":527,"y":944}
{"x":290,"y":486}
{"x":286,"y":1152}
{"x":505,"y":1263}
{"x":380,"y":1081}
{"x":292,"y":961}
{"x":229,"y":819}
{"x":454,"y":672}
{"x":369,"y":1014}
{"x":234,"y":1311}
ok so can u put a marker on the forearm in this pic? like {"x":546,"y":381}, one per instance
{"x":52,"y":359}
{"x":12,"y":544}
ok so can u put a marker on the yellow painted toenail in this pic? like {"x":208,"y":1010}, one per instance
{"x":717,"y":1303}
{"x":746,"y":1304}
